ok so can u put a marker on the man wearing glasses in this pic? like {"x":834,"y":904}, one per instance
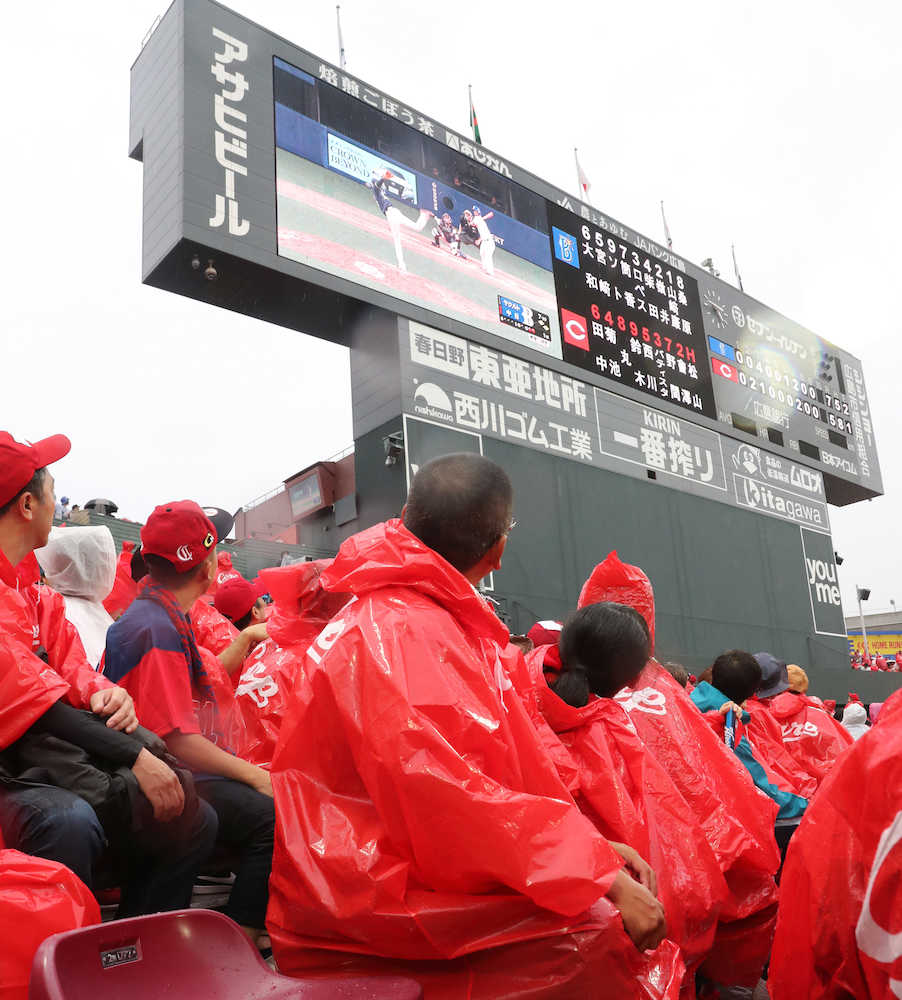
{"x":422,"y":827}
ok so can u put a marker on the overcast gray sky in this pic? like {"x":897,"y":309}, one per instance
{"x":773,"y":125}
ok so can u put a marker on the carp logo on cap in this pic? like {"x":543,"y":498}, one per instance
{"x":179,"y":532}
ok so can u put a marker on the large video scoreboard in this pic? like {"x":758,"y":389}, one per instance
{"x":297,"y":179}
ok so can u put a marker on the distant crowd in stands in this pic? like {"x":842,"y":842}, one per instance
{"x":863,"y":661}
{"x":399,"y":785}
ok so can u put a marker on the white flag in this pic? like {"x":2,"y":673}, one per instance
{"x":581,"y":178}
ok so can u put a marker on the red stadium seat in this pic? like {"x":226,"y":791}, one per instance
{"x":191,"y":954}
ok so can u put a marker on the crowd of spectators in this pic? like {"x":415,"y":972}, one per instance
{"x":401,"y":786}
{"x":864,"y":661}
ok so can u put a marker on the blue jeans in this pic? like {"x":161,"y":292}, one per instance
{"x":247,"y":823}
{"x":52,"y":823}
{"x":160,"y":862}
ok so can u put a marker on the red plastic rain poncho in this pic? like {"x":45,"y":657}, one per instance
{"x":224,"y":571}
{"x":810,"y":734}
{"x":212,"y":630}
{"x":301,"y":610}
{"x":33,"y":617}
{"x":840,"y":914}
{"x":418,"y":817}
{"x":28,"y":687}
{"x":124,"y":589}
{"x":765,"y":734}
{"x":630,"y":798}
{"x":737,"y":819}
{"x":37,"y":898}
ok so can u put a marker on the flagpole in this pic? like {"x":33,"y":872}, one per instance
{"x":341,"y":45}
{"x":736,"y":268}
{"x":666,"y":227}
{"x":474,"y":121}
{"x":582,"y":182}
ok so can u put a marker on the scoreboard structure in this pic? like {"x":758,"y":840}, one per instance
{"x":487,"y":309}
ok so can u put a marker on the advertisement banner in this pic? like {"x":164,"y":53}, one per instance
{"x":362,"y":164}
{"x":823,"y":583}
{"x":887,"y":643}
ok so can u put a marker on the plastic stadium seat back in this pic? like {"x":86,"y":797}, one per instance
{"x":184,"y":955}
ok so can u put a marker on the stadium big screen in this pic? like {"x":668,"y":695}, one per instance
{"x":320,"y":178}
{"x":377,"y":197}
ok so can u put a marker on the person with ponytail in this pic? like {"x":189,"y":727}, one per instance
{"x":622,"y":788}
{"x":603,"y":648}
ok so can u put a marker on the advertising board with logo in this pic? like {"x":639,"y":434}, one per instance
{"x":823,"y":583}
{"x":881,"y":642}
{"x":456,"y":384}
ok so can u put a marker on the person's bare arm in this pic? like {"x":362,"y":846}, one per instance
{"x":201,"y":755}
{"x":637,"y":866}
{"x":233,"y":657}
{"x":642,"y":914}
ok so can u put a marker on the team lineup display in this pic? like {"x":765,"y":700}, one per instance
{"x":627,"y":316}
{"x":323,"y":180}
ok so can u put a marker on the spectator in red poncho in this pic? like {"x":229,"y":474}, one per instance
{"x":737,"y":821}
{"x":810,"y":735}
{"x":621,"y":786}
{"x":421,"y":823}
{"x":43,"y":820}
{"x":301,"y":610}
{"x":241,"y":602}
{"x":124,"y":586}
{"x":766,"y":735}
{"x":838,"y":927}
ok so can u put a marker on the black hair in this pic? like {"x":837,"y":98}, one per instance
{"x":34,"y":486}
{"x":459,"y":506}
{"x":242,"y":623}
{"x":677,"y":671}
{"x":603,"y":648}
{"x":736,"y":674}
{"x":165,"y":574}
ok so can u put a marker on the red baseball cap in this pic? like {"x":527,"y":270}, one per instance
{"x":19,"y":462}
{"x":237,"y":596}
{"x":179,"y":532}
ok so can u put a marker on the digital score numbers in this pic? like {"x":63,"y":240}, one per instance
{"x":779,"y":382}
{"x":630,"y":318}
{"x":782,"y":392}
